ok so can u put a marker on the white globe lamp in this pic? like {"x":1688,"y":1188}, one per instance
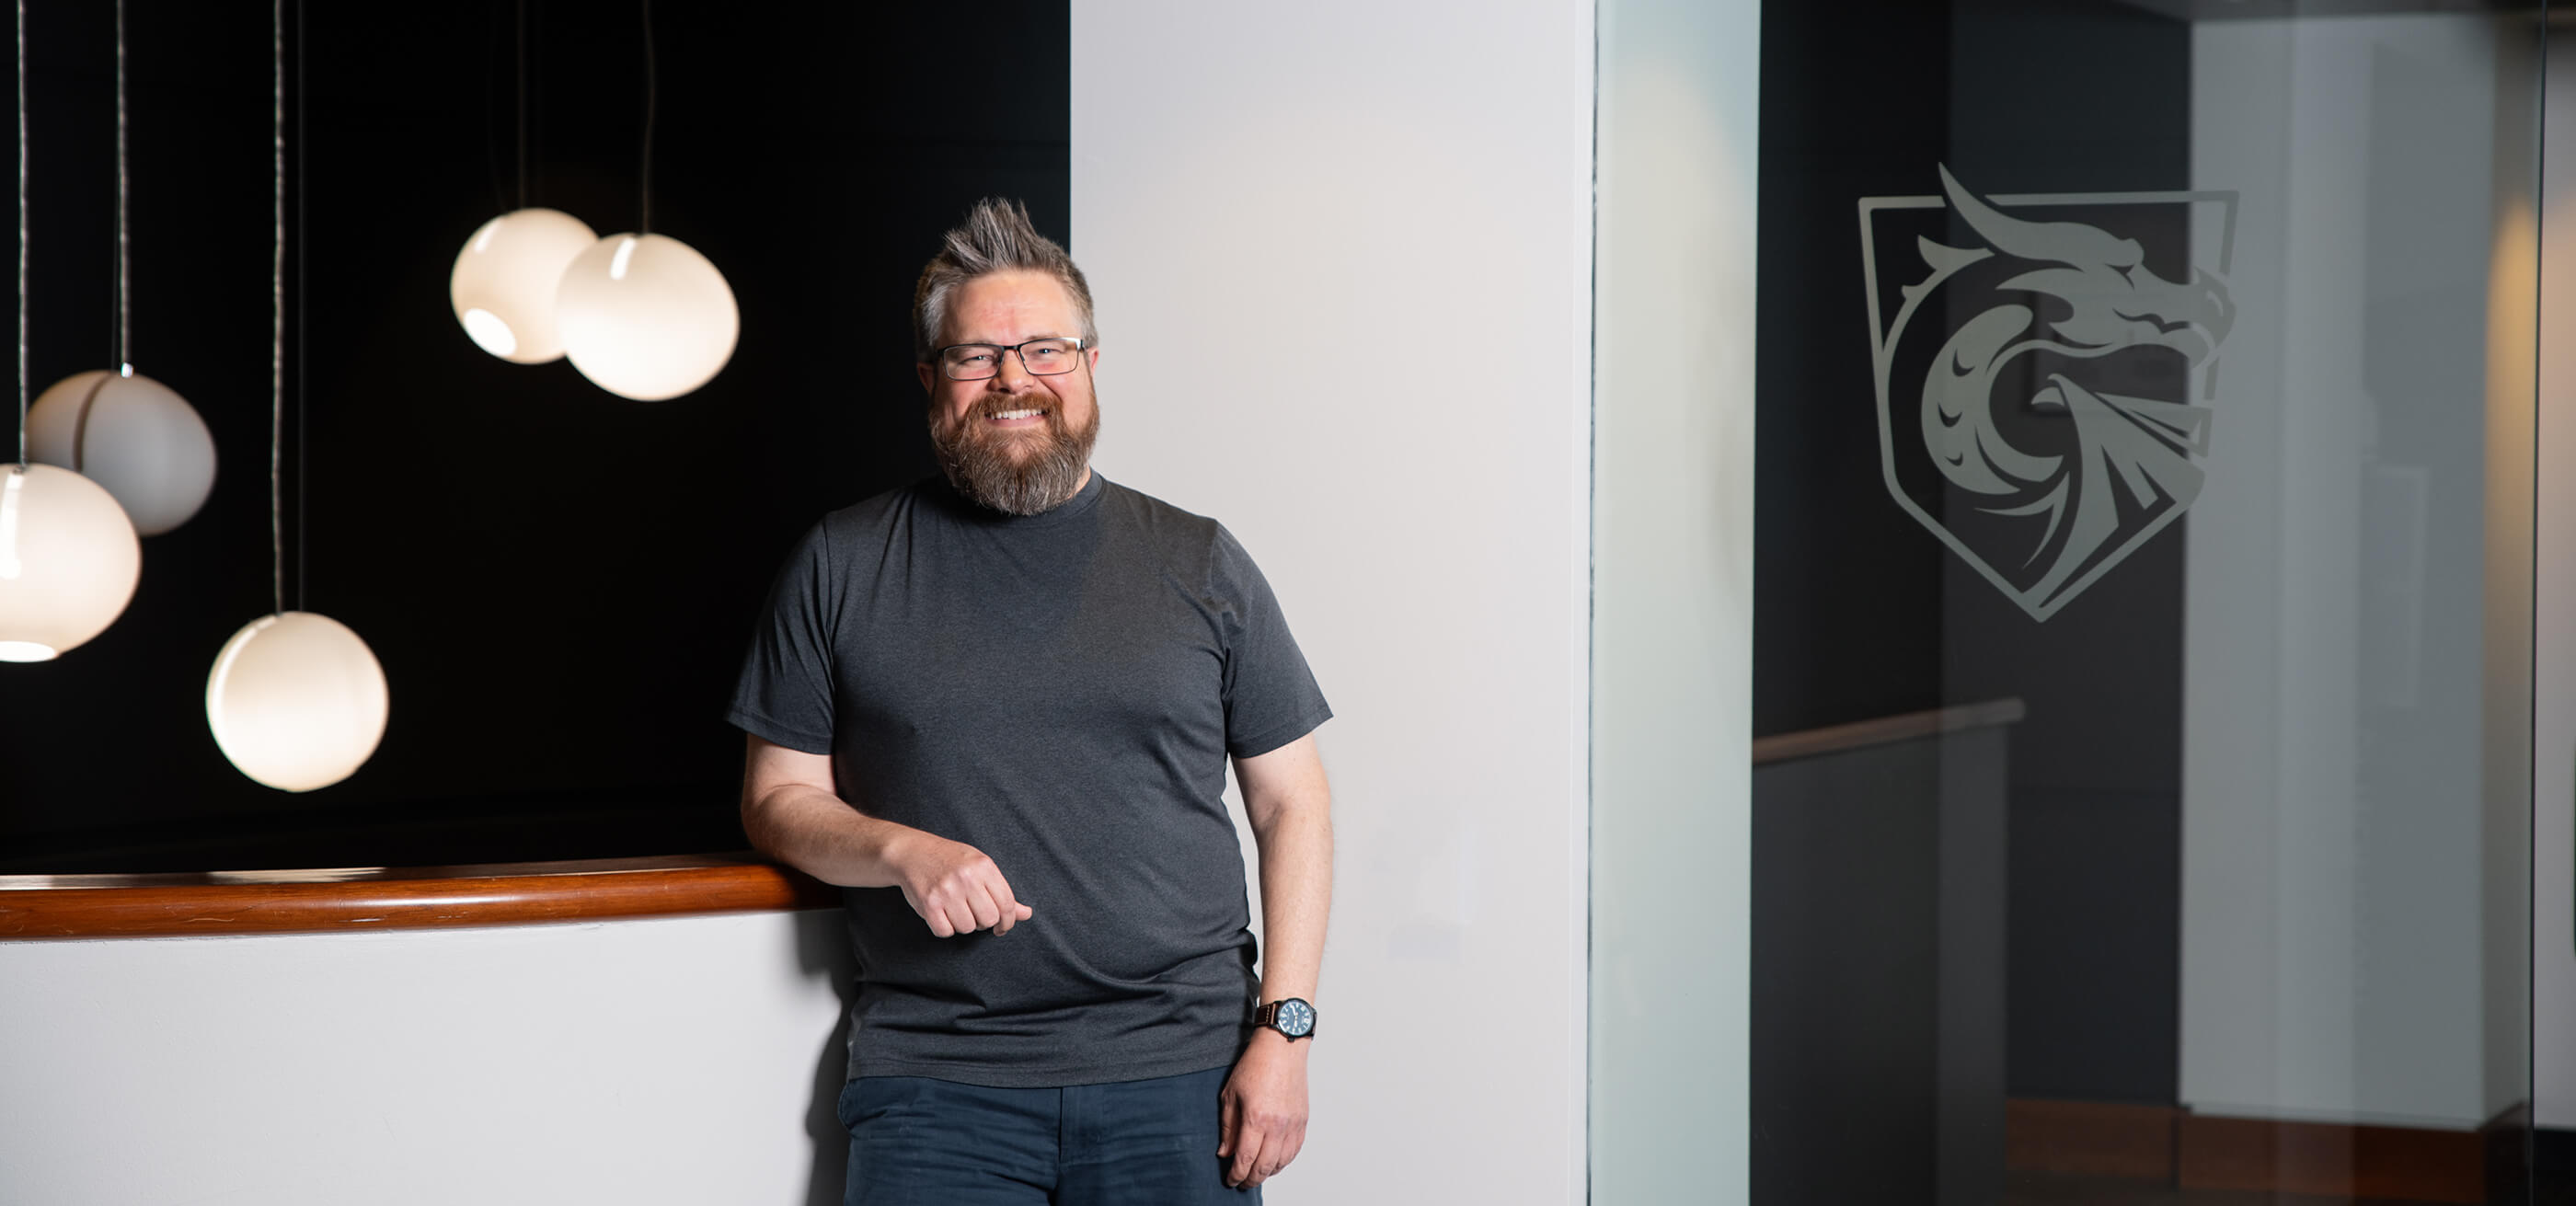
{"x":297,"y":701}
{"x":503,"y":285}
{"x":132,"y":435}
{"x":644,"y":316}
{"x":68,"y":561}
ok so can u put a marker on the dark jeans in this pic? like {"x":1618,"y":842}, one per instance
{"x":915,"y":1141}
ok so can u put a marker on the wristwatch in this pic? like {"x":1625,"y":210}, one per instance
{"x":1291,"y":1016}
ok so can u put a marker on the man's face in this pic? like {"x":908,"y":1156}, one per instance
{"x":1014,"y":442}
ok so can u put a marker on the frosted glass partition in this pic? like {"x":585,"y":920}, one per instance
{"x":2145,"y":452}
{"x":1673,"y":365}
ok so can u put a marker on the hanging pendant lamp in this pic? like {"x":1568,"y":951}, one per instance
{"x":135,"y":437}
{"x":68,"y":556}
{"x":129,"y":433}
{"x":643,"y":315}
{"x":503,"y":285}
{"x":68,"y":561}
{"x":295,"y":700}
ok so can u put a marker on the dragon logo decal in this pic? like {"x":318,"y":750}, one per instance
{"x":2045,"y":366}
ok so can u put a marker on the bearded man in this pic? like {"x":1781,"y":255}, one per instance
{"x":997,"y":707}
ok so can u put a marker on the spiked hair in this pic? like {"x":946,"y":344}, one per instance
{"x":995,"y":237}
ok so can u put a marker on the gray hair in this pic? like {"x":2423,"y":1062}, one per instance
{"x":995,"y":237}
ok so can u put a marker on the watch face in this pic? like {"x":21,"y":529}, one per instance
{"x":1296,"y":1018}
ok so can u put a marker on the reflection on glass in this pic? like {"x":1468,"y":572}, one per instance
{"x":2144,"y":620}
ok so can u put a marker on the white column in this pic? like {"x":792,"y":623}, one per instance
{"x":2352,"y":791}
{"x":1342,"y":258}
{"x":2553,"y":831}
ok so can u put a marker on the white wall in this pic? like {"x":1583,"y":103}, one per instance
{"x":2353,"y":788}
{"x":1673,"y":605}
{"x":681,"y":1061}
{"x":1400,"y":195}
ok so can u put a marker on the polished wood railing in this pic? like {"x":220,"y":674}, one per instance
{"x":1834,"y":739}
{"x":346,"y":899}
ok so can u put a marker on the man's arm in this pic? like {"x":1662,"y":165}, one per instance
{"x":1263,"y":1112}
{"x":792,"y":813}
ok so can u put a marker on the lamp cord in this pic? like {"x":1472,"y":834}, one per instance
{"x":277,"y":319}
{"x":652,"y":95}
{"x":522,"y":32}
{"x":22,"y":236}
{"x":491,"y":90}
{"x":303,"y":390}
{"x":122,"y":355}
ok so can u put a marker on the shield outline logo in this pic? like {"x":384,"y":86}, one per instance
{"x":1882,"y":342}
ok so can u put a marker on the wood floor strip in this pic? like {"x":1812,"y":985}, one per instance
{"x":2090,"y":1138}
{"x":2401,"y":1163}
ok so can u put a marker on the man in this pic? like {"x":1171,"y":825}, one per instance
{"x":997,"y":706}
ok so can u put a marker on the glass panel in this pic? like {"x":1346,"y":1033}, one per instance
{"x":2144,"y":582}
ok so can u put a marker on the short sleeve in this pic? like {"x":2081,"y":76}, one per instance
{"x":785,"y":691}
{"x":1270,"y":695}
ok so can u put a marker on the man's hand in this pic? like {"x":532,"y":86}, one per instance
{"x":792,"y":813}
{"x":955,"y":887}
{"x":1261,"y":1118}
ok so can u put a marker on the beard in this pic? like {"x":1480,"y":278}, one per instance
{"x":1015,"y":472}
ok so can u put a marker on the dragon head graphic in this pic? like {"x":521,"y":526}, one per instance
{"x":2058,"y":398}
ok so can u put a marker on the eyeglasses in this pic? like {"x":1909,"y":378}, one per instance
{"x":977,"y":361}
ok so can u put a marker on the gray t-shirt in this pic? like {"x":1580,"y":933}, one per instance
{"x":1059,"y":691}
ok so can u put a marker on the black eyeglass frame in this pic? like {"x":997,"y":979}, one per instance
{"x":939,"y":356}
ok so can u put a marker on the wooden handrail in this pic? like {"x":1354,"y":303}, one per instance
{"x":337,"y":900}
{"x":329,"y":900}
{"x":1835,"y":739}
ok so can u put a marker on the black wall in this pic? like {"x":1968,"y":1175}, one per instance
{"x":2050,"y":97}
{"x":557,"y":580}
{"x":1859,"y":611}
